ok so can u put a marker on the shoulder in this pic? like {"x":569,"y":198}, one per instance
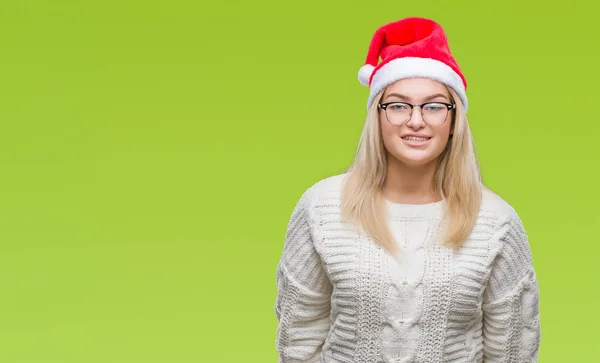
{"x":505,"y":220}
{"x":495,"y":206}
{"x":324,"y":189}
{"x":321,"y":196}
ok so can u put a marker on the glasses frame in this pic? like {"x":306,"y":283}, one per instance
{"x":384,"y":106}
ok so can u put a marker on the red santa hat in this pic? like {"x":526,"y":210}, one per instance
{"x":411,"y":47}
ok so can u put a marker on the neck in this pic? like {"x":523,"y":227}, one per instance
{"x":409,"y":184}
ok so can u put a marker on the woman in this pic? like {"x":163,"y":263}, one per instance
{"x":407,"y":257}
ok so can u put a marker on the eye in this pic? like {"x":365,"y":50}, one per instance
{"x":434,"y":107}
{"x":398,"y":107}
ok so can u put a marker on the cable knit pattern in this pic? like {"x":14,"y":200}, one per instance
{"x":342,"y":298}
{"x":303,"y":300}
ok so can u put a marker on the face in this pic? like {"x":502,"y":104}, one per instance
{"x":416,"y":143}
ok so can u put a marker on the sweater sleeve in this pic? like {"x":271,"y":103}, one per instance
{"x":511,"y":318}
{"x":303,"y":291}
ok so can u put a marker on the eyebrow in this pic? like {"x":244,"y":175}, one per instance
{"x":398,"y":95}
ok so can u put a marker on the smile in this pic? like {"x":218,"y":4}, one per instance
{"x":416,"y":141}
{"x":415,"y":138}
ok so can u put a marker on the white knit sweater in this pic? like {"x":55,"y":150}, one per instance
{"x":343,"y":298}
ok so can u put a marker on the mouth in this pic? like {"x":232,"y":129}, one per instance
{"x":416,"y":138}
{"x":416,"y":141}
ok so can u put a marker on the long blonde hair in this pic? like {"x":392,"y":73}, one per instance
{"x":457,"y":180}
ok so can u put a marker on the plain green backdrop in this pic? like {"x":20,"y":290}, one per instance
{"x":151,"y":153}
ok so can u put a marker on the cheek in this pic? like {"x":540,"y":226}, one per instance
{"x":389,"y":134}
{"x":442,"y":137}
{"x":445,"y":129}
{"x":443,"y":134}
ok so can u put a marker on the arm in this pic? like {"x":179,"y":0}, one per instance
{"x":511,"y":318}
{"x":303,"y":292}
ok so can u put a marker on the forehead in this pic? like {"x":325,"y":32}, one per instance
{"x":417,"y":88}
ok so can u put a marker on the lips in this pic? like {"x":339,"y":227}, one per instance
{"x":416,"y":141}
{"x":415,"y":138}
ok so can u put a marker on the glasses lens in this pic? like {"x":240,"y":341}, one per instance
{"x":398,"y":113}
{"x":435,"y":113}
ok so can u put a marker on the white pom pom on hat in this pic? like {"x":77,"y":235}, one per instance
{"x":410,"y":47}
{"x":364,"y":74}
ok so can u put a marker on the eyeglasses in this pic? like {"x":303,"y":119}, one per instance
{"x":433,"y":113}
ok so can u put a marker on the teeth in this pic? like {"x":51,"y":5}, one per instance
{"x":412,"y":138}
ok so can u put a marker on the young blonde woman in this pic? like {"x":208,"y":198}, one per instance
{"x":407,"y":257}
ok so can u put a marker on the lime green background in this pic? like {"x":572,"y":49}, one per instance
{"x":151,"y":153}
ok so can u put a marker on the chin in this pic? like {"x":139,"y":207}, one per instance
{"x":415,"y":160}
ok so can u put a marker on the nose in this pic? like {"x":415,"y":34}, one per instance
{"x":416,"y":121}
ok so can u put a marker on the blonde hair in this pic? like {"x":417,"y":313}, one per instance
{"x":457,"y":180}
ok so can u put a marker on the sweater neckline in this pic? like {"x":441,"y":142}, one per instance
{"x":415,"y":211}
